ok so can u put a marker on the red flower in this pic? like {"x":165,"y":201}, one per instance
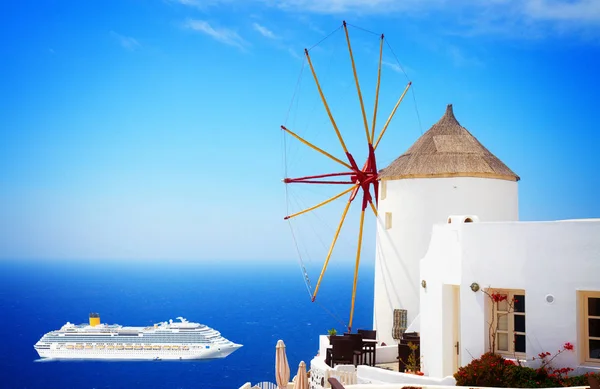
{"x":568,"y":346}
{"x":497,"y":297}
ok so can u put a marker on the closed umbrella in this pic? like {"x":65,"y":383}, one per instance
{"x":301,"y":377}
{"x":282,"y":368}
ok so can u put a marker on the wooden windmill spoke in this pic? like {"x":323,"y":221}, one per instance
{"x":373,"y":207}
{"x":337,"y":131}
{"x":377,"y":91}
{"x":337,"y":233}
{"x":362,"y":106}
{"x":321,"y":204}
{"x":325,"y":153}
{"x":360,"y":234}
{"x":391,"y":115}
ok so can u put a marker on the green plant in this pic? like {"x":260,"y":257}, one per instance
{"x":494,"y":370}
{"x":332,"y":332}
{"x":485,"y":371}
{"x":581,"y":380}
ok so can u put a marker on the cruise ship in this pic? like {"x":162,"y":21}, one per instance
{"x":171,"y":340}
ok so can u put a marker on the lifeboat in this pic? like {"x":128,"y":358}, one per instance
{"x":137,"y":347}
{"x":70,"y":347}
{"x":147,"y":347}
{"x":175,"y":348}
{"x":110,"y":347}
{"x":166,"y":347}
{"x":119,"y":347}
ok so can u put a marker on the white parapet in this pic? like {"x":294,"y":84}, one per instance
{"x":378,"y":376}
{"x":320,"y":373}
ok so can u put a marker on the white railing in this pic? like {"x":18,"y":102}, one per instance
{"x":320,"y":373}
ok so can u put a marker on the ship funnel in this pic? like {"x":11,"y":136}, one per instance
{"x":94,"y":319}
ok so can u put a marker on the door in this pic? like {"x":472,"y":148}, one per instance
{"x":456,"y":326}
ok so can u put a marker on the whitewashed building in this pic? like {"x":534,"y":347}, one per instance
{"x":448,"y":232}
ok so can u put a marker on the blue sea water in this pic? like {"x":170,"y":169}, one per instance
{"x":252,"y":303}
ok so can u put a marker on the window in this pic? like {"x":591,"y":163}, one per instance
{"x":382,"y":189}
{"x":590,"y":337}
{"x":508,"y":322}
{"x":388,"y":220}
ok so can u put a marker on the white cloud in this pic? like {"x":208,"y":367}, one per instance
{"x":126,"y":41}
{"x":264,"y":31}
{"x":576,"y":10}
{"x":294,"y":53}
{"x":523,"y":18}
{"x":552,"y":10}
{"x":394,"y":66}
{"x":460,"y":59}
{"x":200,"y":4}
{"x":223,"y":35}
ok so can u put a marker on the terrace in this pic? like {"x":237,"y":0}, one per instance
{"x":358,"y":359}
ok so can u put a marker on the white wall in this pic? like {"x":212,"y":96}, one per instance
{"x":441,"y":269}
{"x":557,"y":258}
{"x":416,"y":205}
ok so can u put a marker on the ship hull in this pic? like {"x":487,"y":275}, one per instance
{"x":141,"y":355}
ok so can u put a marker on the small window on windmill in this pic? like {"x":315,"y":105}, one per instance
{"x":383,"y":189}
{"x":388,"y":220}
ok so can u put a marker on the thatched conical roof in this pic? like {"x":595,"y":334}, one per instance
{"x":447,"y":150}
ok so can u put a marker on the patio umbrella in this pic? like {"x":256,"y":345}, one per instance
{"x":301,"y":378}
{"x":282,"y":368}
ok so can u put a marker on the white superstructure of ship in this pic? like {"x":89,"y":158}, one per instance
{"x":167,"y":340}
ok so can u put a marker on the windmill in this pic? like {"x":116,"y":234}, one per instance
{"x":360,"y":180}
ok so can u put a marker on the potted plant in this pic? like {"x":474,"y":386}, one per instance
{"x":331,"y":332}
{"x":412,"y":367}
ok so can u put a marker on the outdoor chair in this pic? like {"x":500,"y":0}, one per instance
{"x":411,"y":335}
{"x":341,"y":352}
{"x":368,"y":334}
{"x":358,"y":347}
{"x":369,"y":353}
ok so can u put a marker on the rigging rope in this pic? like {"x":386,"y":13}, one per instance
{"x":328,"y":35}
{"x":304,"y":272}
{"x":412,"y":89}
{"x":285,"y":158}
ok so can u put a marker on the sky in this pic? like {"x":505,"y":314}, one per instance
{"x":142,"y":129}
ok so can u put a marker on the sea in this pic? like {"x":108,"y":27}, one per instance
{"x":254,"y":303}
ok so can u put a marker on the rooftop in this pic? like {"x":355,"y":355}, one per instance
{"x":447,"y":149}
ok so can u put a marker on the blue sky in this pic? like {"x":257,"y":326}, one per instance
{"x":150,"y":128}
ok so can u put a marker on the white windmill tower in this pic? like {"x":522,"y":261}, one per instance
{"x":445,"y":172}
